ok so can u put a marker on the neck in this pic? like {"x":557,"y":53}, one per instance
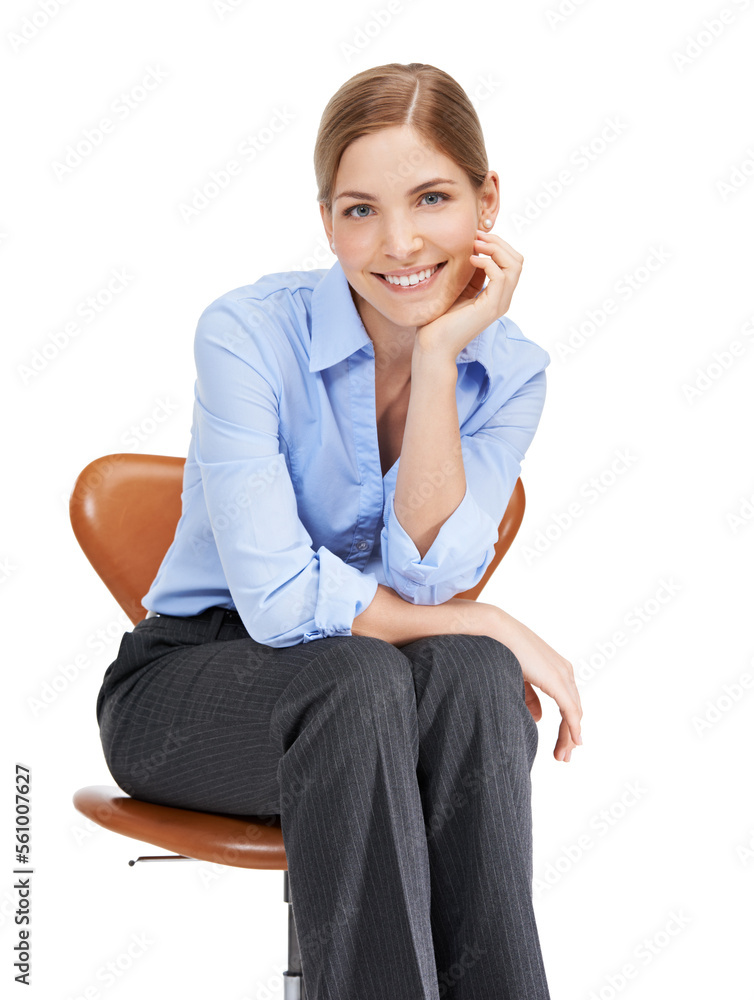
{"x":393,"y":345}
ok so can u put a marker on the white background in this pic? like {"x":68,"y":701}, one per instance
{"x":657,"y":903}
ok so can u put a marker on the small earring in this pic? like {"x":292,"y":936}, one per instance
{"x":332,"y":246}
{"x":488,"y":223}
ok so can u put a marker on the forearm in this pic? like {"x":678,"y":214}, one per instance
{"x":391,"y":618}
{"x":431,"y":481}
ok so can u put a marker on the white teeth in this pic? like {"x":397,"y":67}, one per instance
{"x":411,"y":279}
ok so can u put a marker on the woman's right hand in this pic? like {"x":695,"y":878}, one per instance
{"x":545,"y":669}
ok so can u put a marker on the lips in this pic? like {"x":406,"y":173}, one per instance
{"x":419,"y":277}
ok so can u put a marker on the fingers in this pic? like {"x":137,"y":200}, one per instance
{"x":571,"y":721}
{"x":532,"y":702}
{"x":566,"y":696}
{"x":552,"y":673}
{"x":563,"y":744}
{"x":501,"y":262}
{"x":495,"y":298}
{"x":572,"y":713}
{"x":568,"y":700}
{"x":504,"y":249}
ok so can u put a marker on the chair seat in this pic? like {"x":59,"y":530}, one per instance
{"x":238,"y":841}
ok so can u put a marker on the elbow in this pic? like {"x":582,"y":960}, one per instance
{"x":266,"y":630}
{"x":437,"y":592}
{"x":270,"y":630}
{"x":260,"y":632}
{"x":436,"y":586}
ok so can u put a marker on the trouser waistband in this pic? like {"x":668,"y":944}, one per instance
{"x":217,"y":616}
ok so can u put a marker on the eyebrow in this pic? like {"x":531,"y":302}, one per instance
{"x":416,"y":190}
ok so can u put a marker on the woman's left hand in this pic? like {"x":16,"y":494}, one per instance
{"x":476,"y":307}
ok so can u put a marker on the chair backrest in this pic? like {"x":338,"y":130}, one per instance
{"x":124,"y":511}
{"x":511,"y":522}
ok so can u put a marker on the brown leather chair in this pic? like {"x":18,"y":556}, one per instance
{"x":124,"y":509}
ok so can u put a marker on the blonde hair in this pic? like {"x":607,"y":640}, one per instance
{"x":415,"y":94}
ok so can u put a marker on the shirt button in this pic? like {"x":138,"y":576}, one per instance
{"x":362,"y":545}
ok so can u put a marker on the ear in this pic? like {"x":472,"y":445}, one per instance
{"x":489,"y":200}
{"x":326,"y":221}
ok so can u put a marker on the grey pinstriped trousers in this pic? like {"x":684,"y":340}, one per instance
{"x":401,"y":777}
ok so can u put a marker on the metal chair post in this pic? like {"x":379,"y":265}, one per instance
{"x":293,"y":979}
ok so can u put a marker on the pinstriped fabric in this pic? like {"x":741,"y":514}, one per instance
{"x":401,"y":776}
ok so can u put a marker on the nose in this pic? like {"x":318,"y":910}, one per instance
{"x":400,"y":238}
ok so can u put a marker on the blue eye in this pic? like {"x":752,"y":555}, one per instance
{"x":429,"y":194}
{"x":348,"y":212}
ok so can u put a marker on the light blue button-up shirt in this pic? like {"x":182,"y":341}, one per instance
{"x":286,"y":514}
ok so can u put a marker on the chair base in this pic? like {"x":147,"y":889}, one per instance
{"x":239,"y":842}
{"x":293,"y":988}
{"x":293,"y":980}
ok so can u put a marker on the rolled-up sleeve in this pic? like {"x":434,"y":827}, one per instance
{"x":465,"y":544}
{"x":284,"y":590}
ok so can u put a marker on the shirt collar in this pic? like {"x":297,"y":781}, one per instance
{"x":337,"y":330}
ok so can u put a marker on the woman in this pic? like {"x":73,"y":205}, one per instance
{"x":356,"y":439}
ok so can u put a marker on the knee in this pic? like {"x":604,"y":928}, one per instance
{"x":478,"y":663}
{"x":350,"y":678}
{"x":367,"y":668}
{"x":463,"y":648}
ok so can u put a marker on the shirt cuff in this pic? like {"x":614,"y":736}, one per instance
{"x":342,"y":594}
{"x":455,"y":561}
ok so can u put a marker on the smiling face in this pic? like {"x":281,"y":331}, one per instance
{"x":399,"y":205}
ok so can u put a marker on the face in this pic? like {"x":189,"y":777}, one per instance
{"x":380,"y":224}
